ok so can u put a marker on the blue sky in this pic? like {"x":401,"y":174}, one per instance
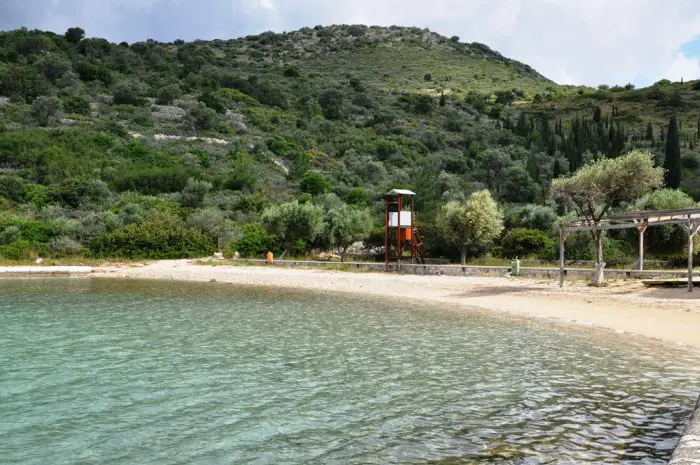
{"x":692,"y":49}
{"x":570,"y":41}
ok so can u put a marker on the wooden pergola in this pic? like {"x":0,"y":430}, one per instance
{"x":688,"y":219}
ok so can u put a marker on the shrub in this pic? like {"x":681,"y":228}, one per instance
{"x":200,"y":117}
{"x":150,"y":180}
{"x":359,"y":197}
{"x":424,"y":104}
{"x":314,"y":183}
{"x":331,"y":102}
{"x":9,"y":235}
{"x":21,"y":250}
{"x":12,"y":187}
{"x":76,"y":104}
{"x":65,"y":247}
{"x":159,"y":237}
{"x":291,"y":71}
{"x":525,"y":242}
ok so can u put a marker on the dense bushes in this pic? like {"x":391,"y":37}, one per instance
{"x":159,"y":237}
{"x":524,"y":243}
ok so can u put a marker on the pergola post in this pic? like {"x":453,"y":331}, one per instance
{"x":641,"y":230}
{"x":692,"y":229}
{"x":562,"y":241}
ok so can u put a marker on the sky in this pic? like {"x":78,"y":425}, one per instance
{"x":587,"y":42}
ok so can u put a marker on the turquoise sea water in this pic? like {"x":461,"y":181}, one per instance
{"x":131,"y":372}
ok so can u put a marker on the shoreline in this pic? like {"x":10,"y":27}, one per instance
{"x":671,"y":315}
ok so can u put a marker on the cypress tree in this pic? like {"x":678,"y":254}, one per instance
{"x":597,"y":115}
{"x":556,"y":172}
{"x":672,"y":162}
{"x":650,"y":133}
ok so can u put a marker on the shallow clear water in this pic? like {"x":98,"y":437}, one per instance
{"x":122,"y":372}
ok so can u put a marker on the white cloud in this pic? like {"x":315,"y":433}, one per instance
{"x":683,"y":67}
{"x":571,"y":41}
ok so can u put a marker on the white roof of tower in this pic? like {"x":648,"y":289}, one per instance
{"x":400,"y":192}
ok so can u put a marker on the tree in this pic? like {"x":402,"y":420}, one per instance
{"x":74,"y":35}
{"x":347,"y":225}
{"x":130,"y":93}
{"x":294,"y":222}
{"x":45,"y":108}
{"x":53,"y":66}
{"x":254,"y":242}
{"x":194,"y":193}
{"x":666,"y":238}
{"x":600,"y":186}
{"x":672,"y":162}
{"x":167,"y":94}
{"x":517,"y":186}
{"x":472,"y":224}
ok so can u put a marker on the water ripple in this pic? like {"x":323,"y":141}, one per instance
{"x":121,"y":372}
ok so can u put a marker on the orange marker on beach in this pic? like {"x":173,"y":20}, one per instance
{"x":269,"y":257}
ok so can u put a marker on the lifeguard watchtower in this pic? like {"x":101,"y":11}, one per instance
{"x":401,"y":233}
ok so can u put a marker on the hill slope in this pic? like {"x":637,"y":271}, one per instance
{"x":101,"y":142}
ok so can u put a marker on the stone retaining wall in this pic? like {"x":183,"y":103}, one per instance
{"x":688,"y":450}
{"x":470,"y":270}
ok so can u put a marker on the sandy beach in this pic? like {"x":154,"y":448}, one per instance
{"x":672,"y":315}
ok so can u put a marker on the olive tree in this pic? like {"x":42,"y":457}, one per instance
{"x":44,"y":108}
{"x":345,"y":226}
{"x":294,"y":221}
{"x":473,"y":224}
{"x":602,"y":185}
{"x":194,"y":193}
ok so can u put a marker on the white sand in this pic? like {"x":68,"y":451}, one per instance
{"x":668,"y":314}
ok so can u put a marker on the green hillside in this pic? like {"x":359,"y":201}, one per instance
{"x":174,"y":149}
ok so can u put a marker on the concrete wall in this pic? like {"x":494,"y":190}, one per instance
{"x":39,"y":271}
{"x":458,"y":270}
{"x":688,"y":450}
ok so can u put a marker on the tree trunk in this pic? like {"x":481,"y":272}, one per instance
{"x":463,"y":256}
{"x":342,"y":254}
{"x":598,"y":277}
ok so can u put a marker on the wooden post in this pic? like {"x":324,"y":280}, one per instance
{"x":562,"y":240}
{"x":692,"y":229}
{"x":641,"y":230}
{"x":690,"y":257}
